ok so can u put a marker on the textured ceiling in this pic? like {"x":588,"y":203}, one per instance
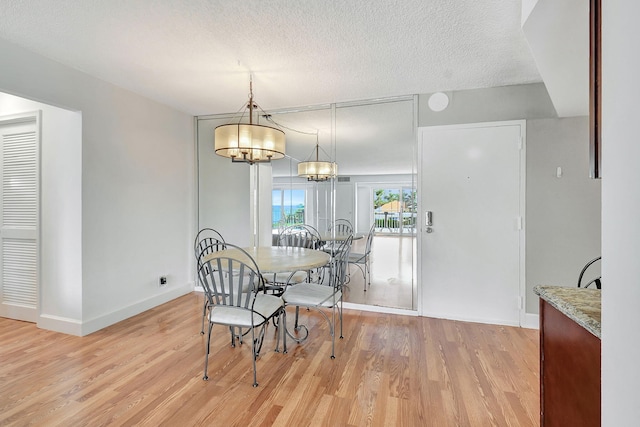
{"x":196,"y":55}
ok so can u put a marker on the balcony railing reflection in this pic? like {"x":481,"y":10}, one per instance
{"x":289,"y":219}
{"x":390,"y":222}
{"x":385,"y":222}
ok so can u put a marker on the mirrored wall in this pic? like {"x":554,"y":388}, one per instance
{"x":374,"y":145}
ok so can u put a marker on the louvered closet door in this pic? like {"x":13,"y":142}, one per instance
{"x":19,"y":218}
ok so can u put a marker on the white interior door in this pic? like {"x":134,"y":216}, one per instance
{"x":323,"y":205}
{"x":345,"y":202}
{"x":19,"y":218}
{"x":472,"y":255}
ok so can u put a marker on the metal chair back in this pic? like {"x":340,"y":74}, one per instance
{"x":300,"y":236}
{"x":207,"y":241}
{"x":342,"y":226}
{"x":597,"y":281}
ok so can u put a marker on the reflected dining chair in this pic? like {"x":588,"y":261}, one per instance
{"x":240,"y":302}
{"x":321,"y":296}
{"x":300,"y":236}
{"x":363,"y":260}
{"x":342,"y":226}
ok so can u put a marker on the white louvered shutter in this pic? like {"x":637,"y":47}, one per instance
{"x":19,"y":220}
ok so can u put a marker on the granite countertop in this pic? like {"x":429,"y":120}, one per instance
{"x":579,"y":304}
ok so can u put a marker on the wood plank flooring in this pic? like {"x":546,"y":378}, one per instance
{"x":389,"y":371}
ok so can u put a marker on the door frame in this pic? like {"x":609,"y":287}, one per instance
{"x":522,"y":205}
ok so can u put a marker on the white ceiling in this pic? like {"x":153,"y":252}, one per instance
{"x":196,"y":55}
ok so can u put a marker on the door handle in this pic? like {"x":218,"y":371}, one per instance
{"x":428,"y":218}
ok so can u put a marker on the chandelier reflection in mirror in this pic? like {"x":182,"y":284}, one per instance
{"x":248,"y":142}
{"x":316,"y":170}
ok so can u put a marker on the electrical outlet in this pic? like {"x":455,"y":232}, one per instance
{"x":163,"y":281}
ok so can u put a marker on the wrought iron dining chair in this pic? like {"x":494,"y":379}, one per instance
{"x":363,"y":260}
{"x":597,"y":281}
{"x":321,"y":296}
{"x":206,"y":242}
{"x":238,"y":299}
{"x":342,"y":227}
{"x":208,"y":237}
{"x":300,"y":236}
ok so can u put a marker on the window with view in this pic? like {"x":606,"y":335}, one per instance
{"x":394,"y":210}
{"x":287,"y":207}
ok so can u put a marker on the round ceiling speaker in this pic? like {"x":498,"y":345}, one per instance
{"x":438,"y":101}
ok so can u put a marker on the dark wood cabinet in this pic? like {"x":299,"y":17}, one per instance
{"x":569,"y":371}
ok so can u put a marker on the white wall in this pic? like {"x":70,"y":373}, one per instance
{"x":224,"y":196}
{"x":620,"y":212}
{"x":562,"y":214}
{"x":137,"y":213}
{"x":489,"y":105}
{"x":138,"y":205}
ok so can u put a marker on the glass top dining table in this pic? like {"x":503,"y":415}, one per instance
{"x":278,"y":259}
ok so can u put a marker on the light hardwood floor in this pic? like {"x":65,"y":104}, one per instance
{"x":389,"y":370}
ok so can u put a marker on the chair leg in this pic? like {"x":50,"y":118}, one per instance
{"x":253,"y":351}
{"x":233,"y":336}
{"x":364,"y":274}
{"x":282,"y":330}
{"x":332,"y":329}
{"x":367,"y":274}
{"x":340,"y":314}
{"x":204,"y":314}
{"x":297,"y":328}
{"x":206,"y":357}
{"x":276,"y":322}
{"x":260,"y":340}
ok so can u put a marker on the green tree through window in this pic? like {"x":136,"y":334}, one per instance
{"x":385,"y":196}
{"x":394,"y":209}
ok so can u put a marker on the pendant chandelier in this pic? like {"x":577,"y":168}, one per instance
{"x":316,"y":170}
{"x":248,"y":142}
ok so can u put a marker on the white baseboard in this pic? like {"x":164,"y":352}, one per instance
{"x":470,"y":319}
{"x":76,"y":327}
{"x":379,"y":309}
{"x":63,"y":325}
{"x":531,"y":321}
